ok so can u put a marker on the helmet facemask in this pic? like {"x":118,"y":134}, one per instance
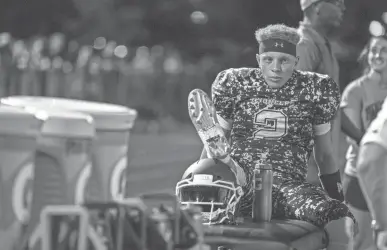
{"x":218,"y":199}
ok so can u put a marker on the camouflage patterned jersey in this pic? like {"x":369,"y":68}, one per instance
{"x":277,"y":123}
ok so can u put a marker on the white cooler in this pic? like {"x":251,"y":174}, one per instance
{"x":18,"y":133}
{"x":110,"y":148}
{"x":62,"y":158}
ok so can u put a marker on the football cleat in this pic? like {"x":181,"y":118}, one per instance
{"x":203,"y":116}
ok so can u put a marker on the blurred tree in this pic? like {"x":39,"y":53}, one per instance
{"x":27,"y":18}
{"x":196,"y":27}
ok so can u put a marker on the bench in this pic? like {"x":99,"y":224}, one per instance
{"x":277,"y":234}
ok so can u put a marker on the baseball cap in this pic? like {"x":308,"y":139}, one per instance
{"x":306,"y":3}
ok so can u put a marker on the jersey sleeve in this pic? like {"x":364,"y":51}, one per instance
{"x":327,"y":99}
{"x":223,"y":96}
{"x":377,"y":131}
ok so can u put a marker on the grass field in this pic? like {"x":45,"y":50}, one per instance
{"x":158,"y":161}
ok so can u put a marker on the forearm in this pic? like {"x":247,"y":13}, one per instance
{"x":322,"y":150}
{"x":349,"y":128}
{"x":330,"y":177}
{"x":325,"y":163}
{"x":328,"y":170}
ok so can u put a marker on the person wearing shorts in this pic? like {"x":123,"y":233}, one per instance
{"x":361,"y":101}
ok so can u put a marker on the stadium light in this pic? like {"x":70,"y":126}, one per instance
{"x":121,"y":51}
{"x":376,"y":28}
{"x":5,"y":39}
{"x":100,"y":43}
{"x":199,"y":17}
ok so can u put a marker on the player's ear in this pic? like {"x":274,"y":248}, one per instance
{"x":257,"y":57}
{"x":317,"y":9}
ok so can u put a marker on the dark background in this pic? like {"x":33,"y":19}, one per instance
{"x":188,"y":43}
{"x":149,"y":22}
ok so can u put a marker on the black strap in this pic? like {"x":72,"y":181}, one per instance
{"x":332,"y":185}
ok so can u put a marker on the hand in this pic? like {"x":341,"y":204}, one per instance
{"x":351,"y":227}
{"x":381,"y":240}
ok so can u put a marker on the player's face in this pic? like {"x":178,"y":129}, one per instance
{"x":276,"y":67}
{"x":331,"y":12}
{"x":377,"y":55}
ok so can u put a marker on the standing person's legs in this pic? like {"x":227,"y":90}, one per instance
{"x":358,"y":206}
{"x":363,"y":240}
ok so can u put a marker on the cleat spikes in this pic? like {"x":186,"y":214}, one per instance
{"x":203,"y":116}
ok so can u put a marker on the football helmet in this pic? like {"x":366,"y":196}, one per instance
{"x":211,"y":185}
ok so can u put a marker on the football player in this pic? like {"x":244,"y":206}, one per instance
{"x":277,"y":113}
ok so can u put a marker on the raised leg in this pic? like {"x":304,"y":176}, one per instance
{"x":203,"y":116}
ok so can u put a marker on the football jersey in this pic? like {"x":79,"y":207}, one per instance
{"x":366,"y":97}
{"x":377,"y":131}
{"x":274,"y":123}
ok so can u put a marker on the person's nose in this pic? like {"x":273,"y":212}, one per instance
{"x":276,"y":66}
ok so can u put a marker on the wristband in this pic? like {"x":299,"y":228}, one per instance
{"x":332,"y":185}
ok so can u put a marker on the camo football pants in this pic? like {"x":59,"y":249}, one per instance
{"x":296,"y":199}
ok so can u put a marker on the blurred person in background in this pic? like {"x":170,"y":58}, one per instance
{"x":5,"y":62}
{"x":372,"y":174}
{"x":321,"y":19}
{"x":361,"y":101}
